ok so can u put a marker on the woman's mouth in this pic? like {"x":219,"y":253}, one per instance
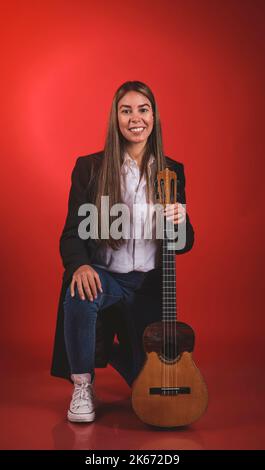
{"x":137,"y":130}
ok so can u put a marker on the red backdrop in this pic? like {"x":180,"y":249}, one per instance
{"x":61,"y":63}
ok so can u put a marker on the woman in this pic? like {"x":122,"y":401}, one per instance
{"x":102,"y":272}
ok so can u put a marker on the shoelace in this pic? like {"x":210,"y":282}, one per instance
{"x":82,"y":393}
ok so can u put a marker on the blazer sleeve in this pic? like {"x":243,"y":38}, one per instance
{"x":181,"y":197}
{"x":73,"y":249}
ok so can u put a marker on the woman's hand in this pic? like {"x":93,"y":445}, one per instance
{"x":175,"y":212}
{"x":88,"y":280}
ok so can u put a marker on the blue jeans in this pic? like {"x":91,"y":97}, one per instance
{"x":81,"y":315}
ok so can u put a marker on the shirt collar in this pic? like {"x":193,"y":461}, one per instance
{"x":128,"y":161}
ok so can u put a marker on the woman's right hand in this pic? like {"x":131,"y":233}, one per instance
{"x":87,"y":280}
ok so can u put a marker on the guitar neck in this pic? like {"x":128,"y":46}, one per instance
{"x":169,"y":305}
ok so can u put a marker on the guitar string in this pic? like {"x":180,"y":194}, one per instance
{"x":164,"y":311}
{"x":168,"y":313}
{"x":166,"y":323}
{"x":169,"y":303}
{"x":164,"y":330}
{"x":173,"y":269}
{"x":173,"y":308}
{"x":169,"y":294}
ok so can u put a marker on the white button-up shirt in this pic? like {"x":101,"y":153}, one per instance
{"x":136,"y":253}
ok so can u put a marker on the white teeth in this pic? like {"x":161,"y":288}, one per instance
{"x":137,"y":129}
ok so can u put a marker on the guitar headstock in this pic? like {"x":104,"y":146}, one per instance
{"x":166,"y":187}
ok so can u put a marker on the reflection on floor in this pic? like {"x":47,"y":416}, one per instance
{"x":34,"y":404}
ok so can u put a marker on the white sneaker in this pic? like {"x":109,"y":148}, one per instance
{"x":82,"y":406}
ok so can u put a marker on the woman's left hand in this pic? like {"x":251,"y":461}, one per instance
{"x":175,"y":212}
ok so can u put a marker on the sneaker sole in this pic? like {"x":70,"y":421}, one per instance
{"x":85,"y":418}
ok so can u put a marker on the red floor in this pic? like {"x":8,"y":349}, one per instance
{"x":33,"y":407}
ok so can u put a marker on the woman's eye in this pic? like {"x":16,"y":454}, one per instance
{"x":126,"y":111}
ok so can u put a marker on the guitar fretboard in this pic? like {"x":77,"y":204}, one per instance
{"x":169,"y":301}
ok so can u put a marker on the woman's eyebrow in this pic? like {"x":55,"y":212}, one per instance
{"x":139,"y":106}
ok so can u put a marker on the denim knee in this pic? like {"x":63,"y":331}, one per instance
{"x":75,"y":305}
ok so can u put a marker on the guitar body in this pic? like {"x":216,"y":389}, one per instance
{"x":170,"y":390}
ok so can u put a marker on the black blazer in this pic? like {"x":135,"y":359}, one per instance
{"x":127,"y":354}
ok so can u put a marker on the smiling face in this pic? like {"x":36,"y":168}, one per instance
{"x":135,"y":117}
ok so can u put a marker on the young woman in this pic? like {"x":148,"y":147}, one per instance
{"x":101,"y":272}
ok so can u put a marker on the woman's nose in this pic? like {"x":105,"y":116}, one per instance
{"x":135,"y":118}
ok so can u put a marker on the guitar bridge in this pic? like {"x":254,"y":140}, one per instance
{"x":169,"y":390}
